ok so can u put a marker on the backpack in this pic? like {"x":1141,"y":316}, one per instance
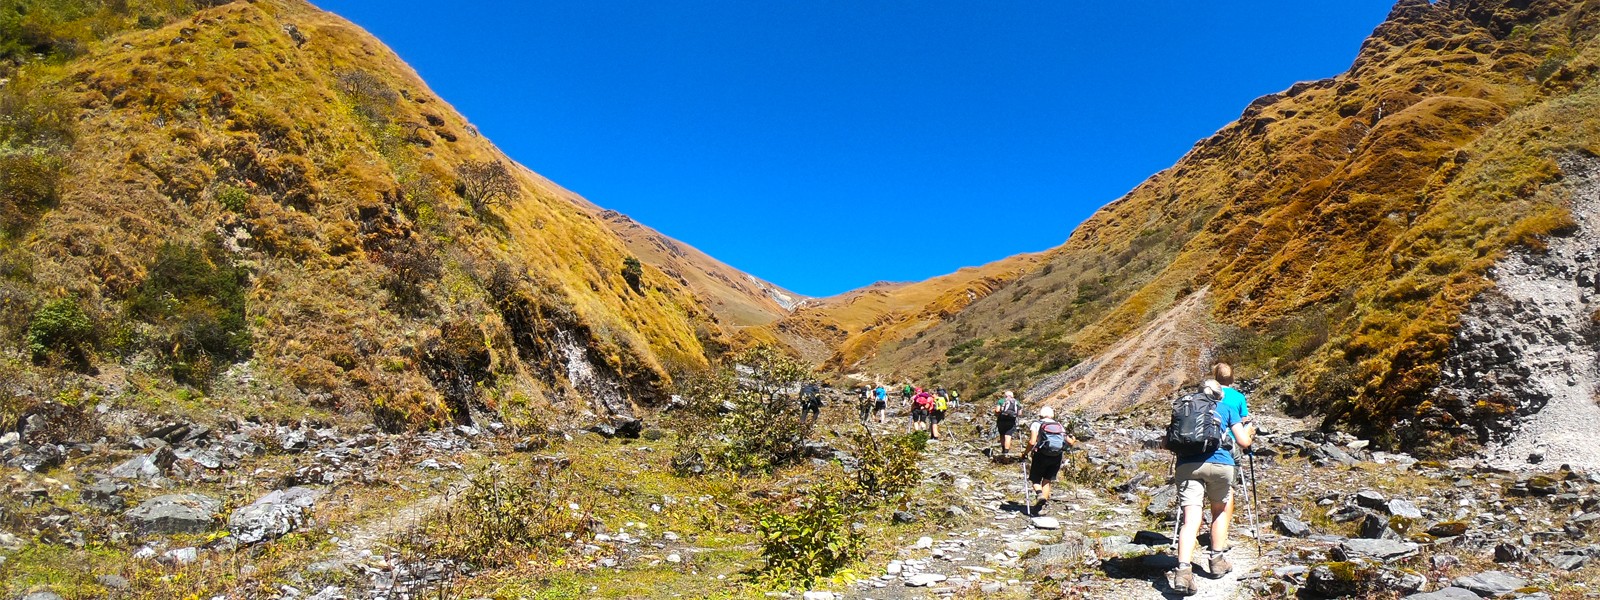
{"x":940,"y":403}
{"x":1195,"y":427}
{"x":1010,"y":408}
{"x":907,"y":390}
{"x":923,"y":402}
{"x":1052,"y":439}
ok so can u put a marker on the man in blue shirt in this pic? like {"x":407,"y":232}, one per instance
{"x":1207,"y":478}
{"x":1223,"y":373}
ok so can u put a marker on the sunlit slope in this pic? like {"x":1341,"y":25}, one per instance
{"x":1341,"y":226}
{"x":283,"y":141}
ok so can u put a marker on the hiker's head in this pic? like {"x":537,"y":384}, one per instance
{"x":1222,"y":373}
{"x":1047,"y":413}
{"x":1212,"y":388}
{"x":1008,"y":394}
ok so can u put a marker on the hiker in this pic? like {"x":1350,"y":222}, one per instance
{"x":1204,"y":476}
{"x":881,"y":403}
{"x":1006,"y":411}
{"x":1047,"y":442}
{"x":955,"y":399}
{"x":864,"y":403}
{"x":921,"y":405}
{"x":907,"y":392}
{"x":1223,"y":373}
{"x":810,"y":401}
{"x":941,"y":403}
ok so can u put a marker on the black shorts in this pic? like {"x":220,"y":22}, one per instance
{"x":1044,"y":468}
{"x":936,"y":417}
{"x":880,"y":405}
{"x":918,"y":415}
{"x":1005,"y":424}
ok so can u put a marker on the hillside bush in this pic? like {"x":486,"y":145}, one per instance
{"x":814,"y":538}
{"x":35,"y":133}
{"x":485,"y":184}
{"x":745,"y":416}
{"x":61,"y":328}
{"x":886,"y":465}
{"x":196,"y":300}
{"x":503,"y":517}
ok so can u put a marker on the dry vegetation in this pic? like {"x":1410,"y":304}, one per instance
{"x":1341,"y":226}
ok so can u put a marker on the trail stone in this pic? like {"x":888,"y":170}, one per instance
{"x":1073,"y":550}
{"x":112,"y":582}
{"x":46,"y":595}
{"x":894,"y":567}
{"x":1449,"y":593}
{"x":925,"y":579}
{"x":1448,"y":529}
{"x":1369,"y":499}
{"x":1291,"y":526}
{"x":1046,"y":523}
{"x":903,"y":517}
{"x":103,"y":495}
{"x":816,"y":595}
{"x":1145,"y":537}
{"x":274,"y":515}
{"x":1569,"y":562}
{"x":1404,"y":508}
{"x":1509,"y":553}
{"x":1492,"y":583}
{"x":1385,"y":550}
{"x":175,"y":513}
{"x":924,"y":542}
{"x":1162,"y":502}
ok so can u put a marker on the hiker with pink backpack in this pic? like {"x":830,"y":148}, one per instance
{"x":1048,"y":441}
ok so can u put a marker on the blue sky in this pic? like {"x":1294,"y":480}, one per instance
{"x":825,"y":145}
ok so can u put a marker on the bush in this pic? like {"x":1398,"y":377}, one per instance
{"x":745,"y":417}
{"x":232,"y":198}
{"x":61,"y":328}
{"x":485,"y":184}
{"x":633,"y":273}
{"x":814,"y":539}
{"x":504,"y":518}
{"x":887,"y":466}
{"x":35,"y":133}
{"x":196,"y":299}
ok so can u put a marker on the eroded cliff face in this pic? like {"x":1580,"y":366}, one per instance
{"x":1524,"y":368}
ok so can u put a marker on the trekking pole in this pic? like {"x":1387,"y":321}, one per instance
{"x":1255,"y":529}
{"x":1177,"y":505}
{"x":1027,"y":490}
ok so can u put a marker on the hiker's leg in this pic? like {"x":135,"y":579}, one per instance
{"x":1188,"y":534}
{"x":1044,"y":494}
{"x":1221,"y":519}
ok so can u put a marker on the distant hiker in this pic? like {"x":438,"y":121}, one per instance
{"x":1047,"y":442}
{"x":864,"y":402}
{"x":1006,"y":411}
{"x":941,"y":403}
{"x":810,"y":401}
{"x":906,"y":392}
{"x":921,"y":407}
{"x":880,"y":403}
{"x":955,"y":399}
{"x":1202,"y":430}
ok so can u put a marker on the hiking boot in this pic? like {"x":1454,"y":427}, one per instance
{"x":1219,"y":564}
{"x":1183,"y":581}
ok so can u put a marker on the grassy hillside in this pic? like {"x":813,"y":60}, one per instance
{"x":257,"y":206}
{"x":844,"y":332}
{"x":1341,"y":225}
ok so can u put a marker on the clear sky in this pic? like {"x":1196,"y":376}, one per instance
{"x":827,"y":144}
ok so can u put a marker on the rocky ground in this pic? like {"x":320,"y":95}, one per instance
{"x":242,"y":509}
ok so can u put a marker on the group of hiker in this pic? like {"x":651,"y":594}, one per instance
{"x":927,"y":406}
{"x":1207,"y":428}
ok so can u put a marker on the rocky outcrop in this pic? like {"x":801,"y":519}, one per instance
{"x":1524,"y":371}
{"x":272,"y":516}
{"x":175,"y":513}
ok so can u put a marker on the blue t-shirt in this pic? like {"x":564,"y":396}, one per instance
{"x":881,"y":393}
{"x":1230,"y":414}
{"x":1233,"y":396}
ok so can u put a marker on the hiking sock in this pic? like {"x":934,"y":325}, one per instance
{"x":1182,"y":566}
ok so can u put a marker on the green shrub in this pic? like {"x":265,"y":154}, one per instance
{"x":503,"y":518}
{"x":35,"y":134}
{"x":633,"y":273}
{"x":814,"y":539}
{"x":232,"y":198}
{"x":196,"y":300}
{"x":61,"y":328}
{"x":745,"y":422}
{"x":887,"y":465}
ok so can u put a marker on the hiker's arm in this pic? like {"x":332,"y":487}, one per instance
{"x":1244,"y":432}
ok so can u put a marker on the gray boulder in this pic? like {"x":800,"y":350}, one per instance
{"x":1449,"y":593}
{"x":105,"y":495}
{"x":1384,"y":550}
{"x":175,"y":513}
{"x":1404,"y":508}
{"x":1492,"y":584}
{"x":272,"y":516}
{"x":1291,"y":526}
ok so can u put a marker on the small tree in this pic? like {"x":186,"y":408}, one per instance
{"x":485,"y":183}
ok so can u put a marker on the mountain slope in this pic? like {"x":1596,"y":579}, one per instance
{"x":1341,"y":226}
{"x":262,"y":202}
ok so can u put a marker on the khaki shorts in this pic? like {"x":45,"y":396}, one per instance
{"x":1201,"y":482}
